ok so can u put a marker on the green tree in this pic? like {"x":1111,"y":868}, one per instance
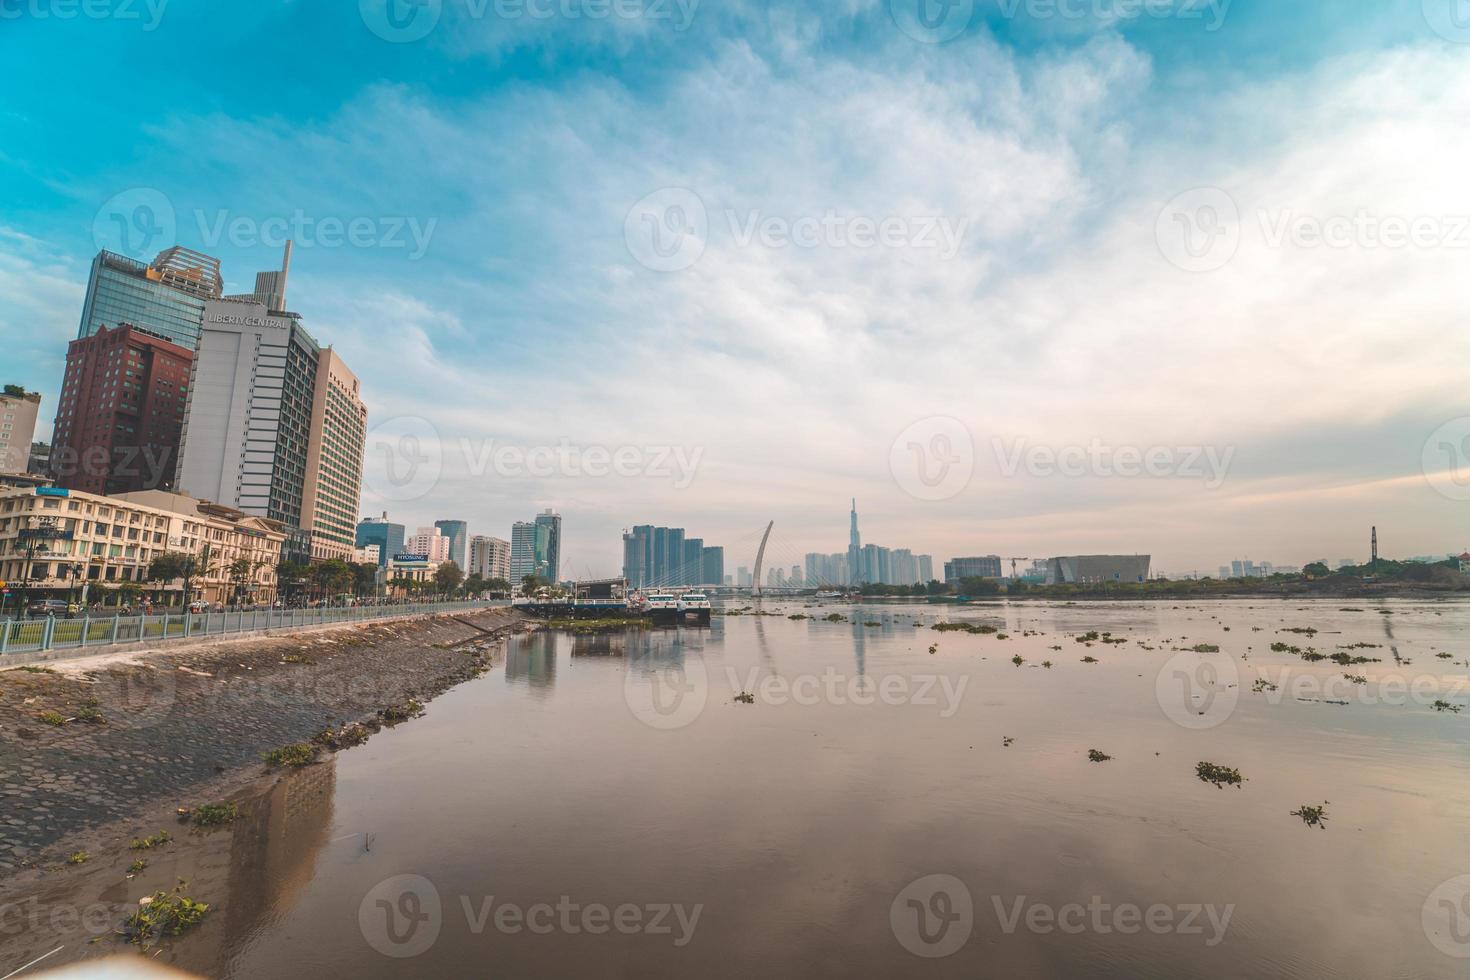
{"x":447,"y":577}
{"x":365,"y":578}
{"x":1316,"y":569}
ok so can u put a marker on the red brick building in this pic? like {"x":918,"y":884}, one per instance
{"x":120,"y":412}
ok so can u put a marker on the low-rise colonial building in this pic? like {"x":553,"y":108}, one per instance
{"x":56,"y":539}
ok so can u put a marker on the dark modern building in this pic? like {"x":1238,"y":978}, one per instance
{"x":379,"y":531}
{"x":121,"y":412}
{"x":458,"y":533}
{"x":165,"y":297}
{"x":550,"y":521}
{"x":662,"y":557}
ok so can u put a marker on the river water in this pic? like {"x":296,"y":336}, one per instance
{"x":897,"y":800}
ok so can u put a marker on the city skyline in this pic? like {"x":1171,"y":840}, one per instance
{"x":1064,"y":321}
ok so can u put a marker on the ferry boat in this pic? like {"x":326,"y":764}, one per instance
{"x":829,"y":595}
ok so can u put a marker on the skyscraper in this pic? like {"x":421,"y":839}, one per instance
{"x":528,"y":547}
{"x":549,"y":552}
{"x":429,"y":542}
{"x":458,"y":533}
{"x":489,"y":557}
{"x":18,"y":409}
{"x":165,"y":297}
{"x":121,"y":412}
{"x":387,"y":536}
{"x":274,"y":424}
{"x":712,"y":571}
{"x":855,"y":549}
{"x":334,"y":453}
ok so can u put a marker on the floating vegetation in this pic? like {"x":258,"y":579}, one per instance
{"x":137,"y":866}
{"x":411,"y":708}
{"x":149,"y":843}
{"x":1263,"y":685}
{"x":977,"y":628}
{"x":1018,"y":660}
{"x":745,"y":697}
{"x":1001,"y":636}
{"x":1351,"y":609}
{"x":1446,"y":706}
{"x":1356,"y":678}
{"x":798,"y":616}
{"x":1221,"y":776}
{"x":295,"y":658}
{"x":297,"y":755}
{"x":214,"y":814}
{"x":1347,"y":659}
{"x":1091,"y":636}
{"x":1310,"y":655}
{"x":1444,"y":656}
{"x":598,"y":624}
{"x":162,"y":914}
{"x":1313,"y":816}
{"x":343,"y":738}
{"x":78,"y":857}
{"x":872,"y":622}
{"x":1303,"y":630}
{"x":1110,"y":638}
{"x":1005,"y":741}
{"x":90,"y":714}
{"x":835,"y":618}
{"x":1090,"y":660}
{"x":1359,"y":646}
{"x":1046,"y":664}
{"x":1205,"y":648}
{"x":52,"y":718}
{"x":1094,"y":755}
{"x":1279,"y":647}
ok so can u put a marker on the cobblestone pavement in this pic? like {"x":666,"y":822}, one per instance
{"x":175,"y":720}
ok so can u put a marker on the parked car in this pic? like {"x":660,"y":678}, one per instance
{"x":47,"y":607}
{"x":199,"y":606}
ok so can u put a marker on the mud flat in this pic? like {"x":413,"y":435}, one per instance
{"x":93,"y":751}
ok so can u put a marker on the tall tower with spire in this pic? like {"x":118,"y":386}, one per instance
{"x":854,"y":550}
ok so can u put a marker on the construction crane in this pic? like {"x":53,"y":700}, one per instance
{"x":1013,"y":565}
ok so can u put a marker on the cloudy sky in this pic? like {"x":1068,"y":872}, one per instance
{"x":1025,"y":277}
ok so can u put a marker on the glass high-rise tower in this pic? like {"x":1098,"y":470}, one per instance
{"x":165,"y":297}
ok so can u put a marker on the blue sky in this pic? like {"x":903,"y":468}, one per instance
{"x":495,"y":167}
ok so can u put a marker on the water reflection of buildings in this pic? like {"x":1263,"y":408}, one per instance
{"x":254,"y":869}
{"x":531,"y":659}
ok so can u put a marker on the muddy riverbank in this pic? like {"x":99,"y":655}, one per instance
{"x":90,"y":748}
